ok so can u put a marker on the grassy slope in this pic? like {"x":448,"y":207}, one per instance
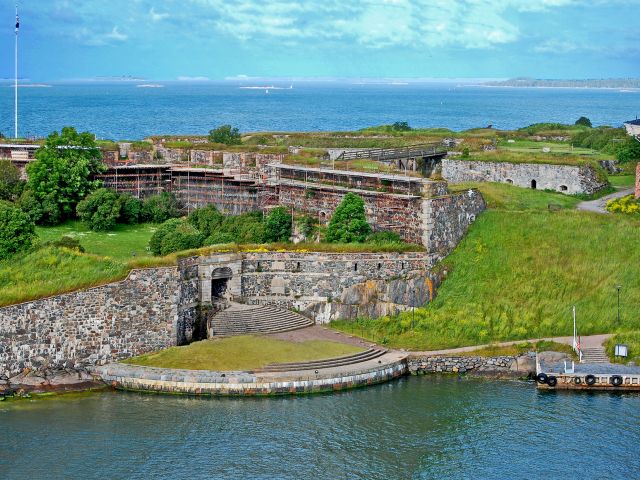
{"x":242,"y":353}
{"x":519,"y":271}
{"x":119,"y":243}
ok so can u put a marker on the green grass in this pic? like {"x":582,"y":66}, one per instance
{"x":551,"y":158}
{"x":119,"y":243}
{"x":516,"y":276}
{"x":503,"y":196}
{"x":246,"y":352}
{"x":622,"y":180}
{"x":52,"y":270}
{"x":631,"y":340}
{"x":530,"y":146}
{"x":519,"y":349}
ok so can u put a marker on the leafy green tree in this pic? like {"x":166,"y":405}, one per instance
{"x":401,"y":127}
{"x":11,"y":185}
{"x":349,"y":222}
{"x":277,"y":228}
{"x":245,"y":228}
{"x":628,"y":150}
{"x":207,"y":220}
{"x":217,"y":238}
{"x":17,"y":230}
{"x":584,"y":121}
{"x":130,"y":209}
{"x":155,"y":242}
{"x":225,"y":134}
{"x":159,"y":208}
{"x":100,"y":210}
{"x":62,"y":174}
{"x":175,"y":235}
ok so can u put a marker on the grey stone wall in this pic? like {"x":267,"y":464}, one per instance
{"x":567,"y":179}
{"x":92,"y":326}
{"x":502,"y":365}
{"x":447,"y":219}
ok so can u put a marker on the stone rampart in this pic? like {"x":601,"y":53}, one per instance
{"x":505,"y":365}
{"x":569,"y":179}
{"x":93,"y":326}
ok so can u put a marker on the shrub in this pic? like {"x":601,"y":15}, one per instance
{"x":277,"y":228}
{"x":349,"y":223}
{"x":627,"y":204}
{"x":465,"y":152}
{"x":384,"y":236}
{"x":17,"y":230}
{"x":307,"y":225}
{"x":207,"y":219}
{"x":160,"y":208}
{"x":11,"y":185}
{"x":584,"y":121}
{"x":628,"y":150}
{"x":401,"y":127}
{"x":130,"y":209}
{"x":155,"y":242}
{"x":100,"y":210}
{"x":225,"y":134}
{"x":183,"y":238}
{"x":68,"y":242}
{"x":218,"y":238}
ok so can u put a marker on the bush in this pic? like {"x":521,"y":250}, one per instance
{"x":17,"y":230}
{"x":175,"y":235}
{"x":218,"y":238}
{"x":465,"y":152}
{"x":100,"y":210}
{"x":349,"y":223}
{"x":160,"y":208}
{"x":277,"y":228}
{"x":68,"y":242}
{"x":225,"y":134}
{"x":401,"y":127}
{"x":11,"y":185}
{"x":130,"y":209}
{"x":207,"y":219}
{"x":384,"y":236}
{"x":628,"y":150}
{"x":627,"y":204}
{"x":584,"y":121}
{"x":155,"y":242}
{"x":245,"y":228}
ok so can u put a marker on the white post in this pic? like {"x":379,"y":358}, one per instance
{"x":15,"y":86}
{"x":574,"y":328}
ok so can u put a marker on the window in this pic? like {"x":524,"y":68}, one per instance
{"x":379,"y":266}
{"x":355,"y":267}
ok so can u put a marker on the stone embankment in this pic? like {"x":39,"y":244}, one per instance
{"x":501,"y":366}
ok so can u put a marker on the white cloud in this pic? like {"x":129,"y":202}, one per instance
{"x":156,"y":16}
{"x":184,"y":78}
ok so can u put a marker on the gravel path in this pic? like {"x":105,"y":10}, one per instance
{"x":598,"y":205}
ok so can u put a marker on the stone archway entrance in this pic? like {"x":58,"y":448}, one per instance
{"x":219,"y":280}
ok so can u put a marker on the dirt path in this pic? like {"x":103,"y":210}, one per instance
{"x":598,"y":205}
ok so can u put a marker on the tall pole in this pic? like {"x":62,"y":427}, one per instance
{"x":15,"y":85}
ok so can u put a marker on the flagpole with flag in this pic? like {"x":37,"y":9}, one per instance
{"x":15,"y":85}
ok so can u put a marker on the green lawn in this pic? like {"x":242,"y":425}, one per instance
{"x":245,"y":352}
{"x":507,"y":197}
{"x":120,"y":243}
{"x":530,"y":146}
{"x":517,"y":274}
{"x":622,"y":180}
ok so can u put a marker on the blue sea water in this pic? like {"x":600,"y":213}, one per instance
{"x":124,"y":111}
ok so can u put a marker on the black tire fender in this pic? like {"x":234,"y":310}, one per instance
{"x":541,"y":378}
{"x":590,"y":379}
{"x":616,"y":380}
{"x":552,"y":381}
{"x":577,"y":380}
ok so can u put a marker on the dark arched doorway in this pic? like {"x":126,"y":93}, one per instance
{"x":219,"y":279}
{"x":534,"y":184}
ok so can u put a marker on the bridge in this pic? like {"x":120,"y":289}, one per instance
{"x":412,"y":157}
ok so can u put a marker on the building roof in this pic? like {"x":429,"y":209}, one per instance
{"x":633,"y":122}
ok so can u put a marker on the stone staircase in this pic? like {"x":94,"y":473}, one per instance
{"x":369,"y":354}
{"x":594,"y":355}
{"x":241,"y":319}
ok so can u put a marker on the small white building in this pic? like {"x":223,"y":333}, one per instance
{"x":633,"y":127}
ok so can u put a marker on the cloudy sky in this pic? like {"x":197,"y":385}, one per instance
{"x":217,"y":39}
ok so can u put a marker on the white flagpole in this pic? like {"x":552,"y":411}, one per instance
{"x":15,"y":85}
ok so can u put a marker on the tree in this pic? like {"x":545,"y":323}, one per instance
{"x":17,"y":230}
{"x":11,"y":185}
{"x":100,"y":210}
{"x":174,"y":235}
{"x":278,"y":225}
{"x":584,"y":121}
{"x":401,"y":127}
{"x":349,"y":222}
{"x":62,"y":174}
{"x":225,"y":134}
{"x":130,"y":209}
{"x":159,"y":208}
{"x":628,"y":150}
{"x":206,"y":219}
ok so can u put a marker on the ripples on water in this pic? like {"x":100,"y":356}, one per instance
{"x":123,"y":111}
{"x":425,"y":427}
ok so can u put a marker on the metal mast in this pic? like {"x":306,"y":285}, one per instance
{"x":15,"y":85}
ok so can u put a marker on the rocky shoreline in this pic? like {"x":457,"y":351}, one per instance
{"x":31,"y":382}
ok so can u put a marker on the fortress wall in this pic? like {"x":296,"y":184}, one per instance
{"x":92,"y":326}
{"x":567,"y":179}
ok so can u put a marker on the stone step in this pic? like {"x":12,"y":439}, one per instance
{"x":594,"y":355}
{"x":240,"y":320}
{"x":360,"y":357}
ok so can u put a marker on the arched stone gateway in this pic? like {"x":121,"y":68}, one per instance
{"x":219,"y":279}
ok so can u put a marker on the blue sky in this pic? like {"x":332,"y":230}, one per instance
{"x":217,"y":39}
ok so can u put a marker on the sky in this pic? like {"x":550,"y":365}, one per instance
{"x":221,"y":39}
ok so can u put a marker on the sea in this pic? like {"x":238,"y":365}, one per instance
{"x":128,"y":111}
{"x":427,"y":427}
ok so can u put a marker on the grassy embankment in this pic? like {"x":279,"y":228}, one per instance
{"x":517,"y":274}
{"x":53,"y":270}
{"x":242,"y":353}
{"x":631,"y":340}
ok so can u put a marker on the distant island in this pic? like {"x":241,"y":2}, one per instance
{"x":584,"y":83}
